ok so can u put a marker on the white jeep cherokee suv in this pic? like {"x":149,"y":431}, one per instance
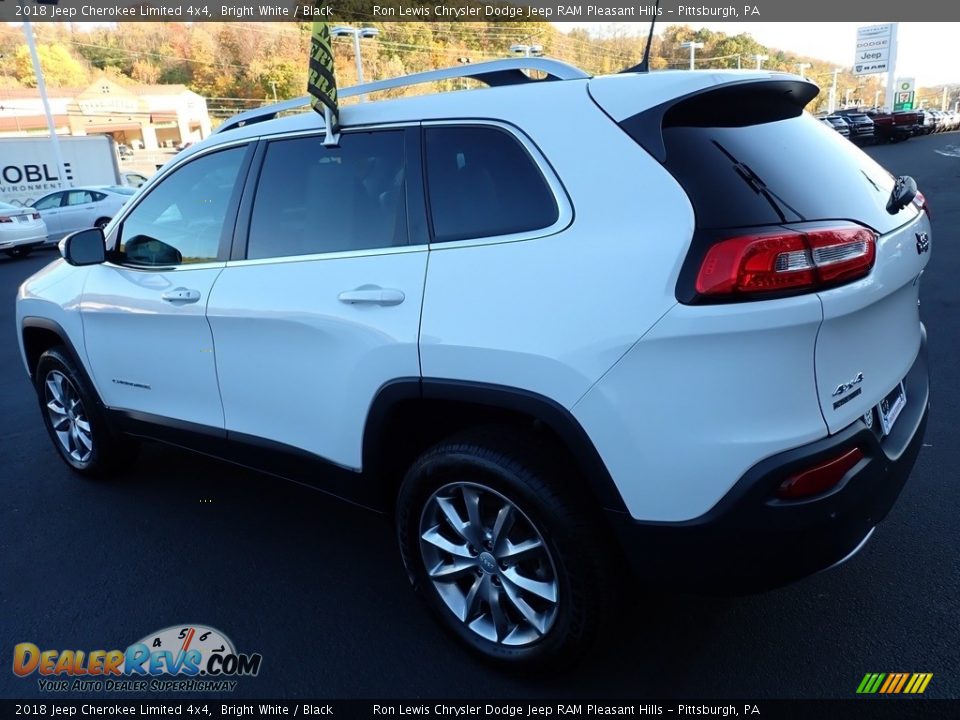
{"x":558,"y":328}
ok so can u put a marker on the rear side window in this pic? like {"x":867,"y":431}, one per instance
{"x":483,"y":183}
{"x":316,"y":199}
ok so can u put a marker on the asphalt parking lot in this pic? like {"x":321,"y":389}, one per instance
{"x":315,"y":585}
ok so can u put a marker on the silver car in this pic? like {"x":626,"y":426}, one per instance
{"x":67,"y":211}
{"x":21,"y":230}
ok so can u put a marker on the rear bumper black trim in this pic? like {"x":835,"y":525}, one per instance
{"x":751,"y":541}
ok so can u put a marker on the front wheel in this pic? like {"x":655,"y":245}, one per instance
{"x":102,"y":223}
{"x":75,"y":420}
{"x":500,"y":547}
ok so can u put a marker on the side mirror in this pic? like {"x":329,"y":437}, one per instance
{"x":85,"y":247}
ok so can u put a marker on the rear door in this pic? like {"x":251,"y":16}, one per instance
{"x":321,"y":306}
{"x":78,"y":210}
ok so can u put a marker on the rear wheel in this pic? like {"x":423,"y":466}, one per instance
{"x":19,"y":252}
{"x":498,"y":544}
{"x":102,"y":222}
{"x":75,"y":420}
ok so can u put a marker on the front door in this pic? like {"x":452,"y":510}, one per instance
{"x":147,"y":336}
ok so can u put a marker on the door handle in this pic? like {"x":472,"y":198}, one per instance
{"x":372,"y":295}
{"x":181,"y":296}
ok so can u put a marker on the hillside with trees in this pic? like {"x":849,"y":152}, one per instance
{"x":239,"y":65}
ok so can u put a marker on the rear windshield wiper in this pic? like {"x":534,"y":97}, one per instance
{"x":757,"y":184}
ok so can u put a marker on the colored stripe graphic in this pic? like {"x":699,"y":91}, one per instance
{"x":894,"y":683}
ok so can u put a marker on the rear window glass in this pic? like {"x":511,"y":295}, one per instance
{"x":783,"y":171}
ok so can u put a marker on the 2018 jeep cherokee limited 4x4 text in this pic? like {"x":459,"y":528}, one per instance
{"x":559,"y":329}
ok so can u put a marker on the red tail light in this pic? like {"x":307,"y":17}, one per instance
{"x":920,"y":201}
{"x":817,"y":480}
{"x":4,"y":218}
{"x":786,"y":261}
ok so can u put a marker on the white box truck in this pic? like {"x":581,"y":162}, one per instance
{"x":28,"y":167}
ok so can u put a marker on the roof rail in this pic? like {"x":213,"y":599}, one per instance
{"x":493,"y":73}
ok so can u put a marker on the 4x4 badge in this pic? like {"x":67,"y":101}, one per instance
{"x":923,"y":243}
{"x":843,"y":387}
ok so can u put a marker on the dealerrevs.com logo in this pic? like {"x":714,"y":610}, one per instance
{"x":181,"y":658}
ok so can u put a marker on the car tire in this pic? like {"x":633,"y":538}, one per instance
{"x":19,"y":252}
{"x":102,"y":222}
{"x":529,"y":591}
{"x":75,"y":418}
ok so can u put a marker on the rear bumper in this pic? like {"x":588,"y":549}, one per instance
{"x":23,"y":243}
{"x":751,"y":541}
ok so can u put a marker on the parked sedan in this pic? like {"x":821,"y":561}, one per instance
{"x":21,"y":230}
{"x":80,"y":208}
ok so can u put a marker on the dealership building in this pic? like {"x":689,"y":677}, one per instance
{"x":141,"y":116}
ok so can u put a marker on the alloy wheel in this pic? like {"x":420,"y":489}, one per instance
{"x":489,"y":564}
{"x":68,"y":417}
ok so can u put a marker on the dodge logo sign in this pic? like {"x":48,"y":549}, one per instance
{"x":923,"y":243}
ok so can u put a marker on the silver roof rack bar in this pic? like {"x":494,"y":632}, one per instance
{"x":494,"y":73}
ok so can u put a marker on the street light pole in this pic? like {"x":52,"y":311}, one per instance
{"x":832,"y":105}
{"x":356,"y":33}
{"x":802,"y":67}
{"x":42,"y":87}
{"x":760,"y":58}
{"x":694,"y":46}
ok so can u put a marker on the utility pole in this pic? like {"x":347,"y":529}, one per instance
{"x":42,"y":87}
{"x":760,"y":58}
{"x":943,"y":103}
{"x":801,"y":67}
{"x":876,"y":97}
{"x":846,"y":97}
{"x":693,"y":46}
{"x":273,"y":84}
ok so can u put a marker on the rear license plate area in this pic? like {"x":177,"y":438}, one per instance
{"x":890,"y":407}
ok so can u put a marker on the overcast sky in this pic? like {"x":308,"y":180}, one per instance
{"x":927,"y":50}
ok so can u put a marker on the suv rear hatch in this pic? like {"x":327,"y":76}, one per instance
{"x":759,"y":170}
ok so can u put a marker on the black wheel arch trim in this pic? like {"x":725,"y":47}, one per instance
{"x":499,"y":397}
{"x":56,"y":328}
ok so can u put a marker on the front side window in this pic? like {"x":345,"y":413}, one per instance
{"x":182,"y":220}
{"x":48,"y":202}
{"x":483,"y":183}
{"x":315,"y":199}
